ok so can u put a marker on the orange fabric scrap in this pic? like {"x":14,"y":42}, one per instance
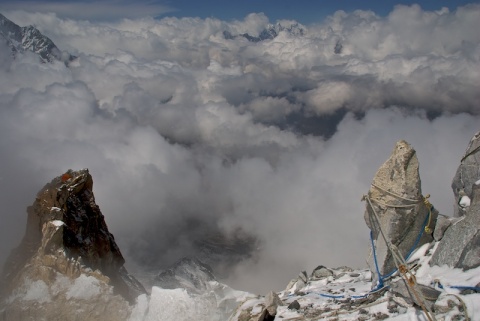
{"x":66,"y":177}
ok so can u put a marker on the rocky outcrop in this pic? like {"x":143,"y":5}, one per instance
{"x":408,"y":222}
{"x":68,"y":261}
{"x":298,"y":283}
{"x":329,"y":296}
{"x":467,"y":174}
{"x":460,"y":246}
{"x":321,"y":272}
{"x":395,"y":206}
{"x":442,"y":224}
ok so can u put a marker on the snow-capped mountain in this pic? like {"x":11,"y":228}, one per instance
{"x":188,"y":273}
{"x":29,"y":38}
{"x":270,"y":32}
{"x":188,"y":291}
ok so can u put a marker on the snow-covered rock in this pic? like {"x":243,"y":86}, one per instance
{"x":192,"y":282}
{"x":214,"y":304}
{"x":189,"y":274}
{"x":347,"y":296}
{"x":29,"y":38}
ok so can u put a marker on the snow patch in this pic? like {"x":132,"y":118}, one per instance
{"x":58,"y":223}
{"x":140,"y":309}
{"x":61,"y":284}
{"x":179,"y":305}
{"x":464,"y":201}
{"x":477,"y":182}
{"x":171,"y":305}
{"x":84,"y":287}
{"x":37,"y":291}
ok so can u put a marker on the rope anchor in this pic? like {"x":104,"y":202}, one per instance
{"x":399,"y":260}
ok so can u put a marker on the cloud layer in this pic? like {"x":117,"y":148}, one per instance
{"x":187,"y":133}
{"x":100,"y":10}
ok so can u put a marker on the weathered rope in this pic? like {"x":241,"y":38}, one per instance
{"x":396,"y":194}
{"x":398,"y":260}
{"x":392,"y":205}
{"x":412,"y":284}
{"x":463,"y":305}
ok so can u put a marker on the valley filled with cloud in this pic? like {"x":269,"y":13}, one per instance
{"x":190,"y":134}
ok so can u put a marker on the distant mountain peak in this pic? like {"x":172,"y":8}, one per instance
{"x":29,"y":38}
{"x":270,"y":32}
{"x":188,"y":273}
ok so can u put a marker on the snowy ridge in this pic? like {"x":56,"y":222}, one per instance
{"x":29,"y":38}
{"x":270,"y":32}
{"x":189,"y":274}
{"x":215,"y":303}
{"x":345,"y":294}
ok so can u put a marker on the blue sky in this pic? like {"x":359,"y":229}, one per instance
{"x":304,"y":11}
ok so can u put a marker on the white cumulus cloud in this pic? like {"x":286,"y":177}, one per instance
{"x":188,"y":134}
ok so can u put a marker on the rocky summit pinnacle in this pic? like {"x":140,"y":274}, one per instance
{"x":395,"y":211}
{"x":67,"y":246}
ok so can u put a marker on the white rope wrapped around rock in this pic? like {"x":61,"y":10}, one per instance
{"x":399,"y":261}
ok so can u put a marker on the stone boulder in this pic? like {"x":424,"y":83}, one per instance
{"x":467,"y":174}
{"x":298,"y":283}
{"x":321,"y":272}
{"x":442,"y":224}
{"x":258,"y":308}
{"x":460,"y":245}
{"x":396,"y":197}
{"x":68,"y":266}
{"x":272,"y":302}
{"x":400,"y":288}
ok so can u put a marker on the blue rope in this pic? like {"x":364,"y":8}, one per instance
{"x":381,"y":277}
{"x":332,"y":296}
{"x":419,"y":237}
{"x":380,"y":284}
{"x":341,"y":296}
{"x":460,"y":287}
